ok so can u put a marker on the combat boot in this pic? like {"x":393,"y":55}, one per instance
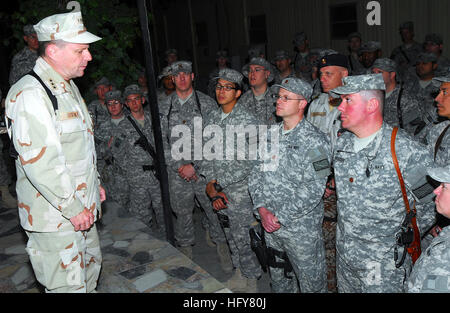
{"x":187,"y":251}
{"x":237,"y":283}
{"x":224,"y":257}
{"x":8,"y":201}
{"x":252,"y":286}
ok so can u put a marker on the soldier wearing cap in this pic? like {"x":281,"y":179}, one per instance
{"x":406,"y":54}
{"x":433,"y":43}
{"x":137,"y":163}
{"x":58,"y":189}
{"x":187,"y":110}
{"x":171,"y":56}
{"x":369,"y":52}
{"x":419,"y":83}
{"x":222,"y":62}
{"x":259,"y":99}
{"x":282,"y":61}
{"x":287,"y":189}
{"x":369,"y":199}
{"x":111,"y":175}
{"x":354,"y":42}
{"x":301,"y":65}
{"x":401,"y":107}
{"x":431,"y":272}
{"x":322,"y":111}
{"x":23,"y":62}
{"x":167,"y":85}
{"x":232,"y":176}
{"x":97,"y":108}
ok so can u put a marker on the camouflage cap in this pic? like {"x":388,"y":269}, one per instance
{"x":222,"y":54}
{"x":370,"y":46}
{"x":230,"y":75}
{"x":354,"y":35}
{"x":102,"y":81}
{"x":259,"y":61}
{"x":299,"y":38}
{"x":255,"y":52}
{"x":426,"y":57}
{"x":167,"y":71}
{"x":440,"y":174}
{"x":132,"y":90}
{"x":434,"y":38}
{"x":297,"y":86}
{"x":113,"y":95}
{"x":407,"y":25}
{"x":281,"y":55}
{"x":385,"y":64}
{"x":68,"y":27}
{"x":171,"y":51}
{"x":28,"y":30}
{"x":181,"y":66}
{"x":445,"y":78}
{"x":357,"y":83}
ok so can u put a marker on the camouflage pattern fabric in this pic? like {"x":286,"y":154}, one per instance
{"x":293,"y":191}
{"x":264,"y":109}
{"x":303,"y":67}
{"x":99,"y":112}
{"x":443,"y":153}
{"x":183,"y":193}
{"x":144,"y":188}
{"x":233,"y":175}
{"x":56,"y":170}
{"x":21,"y":64}
{"x":371,"y":210}
{"x":405,"y":57}
{"x":66,"y":261}
{"x":431,"y":272}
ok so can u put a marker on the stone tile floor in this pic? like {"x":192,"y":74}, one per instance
{"x":135,"y":259}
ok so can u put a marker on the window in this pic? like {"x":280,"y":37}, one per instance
{"x":257,"y":29}
{"x":343,"y":20}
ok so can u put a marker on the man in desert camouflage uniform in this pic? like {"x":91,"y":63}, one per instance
{"x":259,"y":98}
{"x":24,"y":61}
{"x":186,"y":109}
{"x":287,"y":190}
{"x":401,"y":107}
{"x":57,"y":179}
{"x":369,"y":199}
{"x":232,"y":177}
{"x":112,"y":176}
{"x":431,"y":272}
{"x":138,"y":165}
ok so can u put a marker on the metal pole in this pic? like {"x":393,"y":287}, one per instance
{"x":151,"y":85}
{"x":194,"y":44}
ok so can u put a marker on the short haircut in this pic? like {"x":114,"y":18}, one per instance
{"x":378,"y":94}
{"x":44,"y":44}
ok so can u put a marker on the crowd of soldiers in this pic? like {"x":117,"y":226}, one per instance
{"x":330,"y":212}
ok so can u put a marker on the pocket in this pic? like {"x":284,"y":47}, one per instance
{"x":73,"y":139}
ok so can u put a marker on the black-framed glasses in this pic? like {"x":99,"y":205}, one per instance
{"x":285,"y":98}
{"x":227,"y":88}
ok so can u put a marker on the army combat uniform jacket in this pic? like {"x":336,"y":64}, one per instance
{"x":431,"y":272}
{"x":264,"y":109}
{"x":21,"y":64}
{"x":56,"y":166}
{"x":371,"y":209}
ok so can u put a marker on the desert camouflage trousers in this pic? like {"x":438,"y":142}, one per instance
{"x":66,"y":261}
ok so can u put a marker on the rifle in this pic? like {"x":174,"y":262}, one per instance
{"x":143,"y":142}
{"x":409,"y":236}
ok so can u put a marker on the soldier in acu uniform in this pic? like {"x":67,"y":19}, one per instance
{"x":186,"y":109}
{"x":283,"y":62}
{"x":370,"y":206}
{"x":24,"y":61}
{"x":97,"y":108}
{"x":287,"y":189}
{"x":232,"y":177}
{"x":57,"y":179}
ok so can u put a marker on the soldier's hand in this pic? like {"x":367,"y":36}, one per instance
{"x":82,"y":221}
{"x":187,"y":172}
{"x":268,"y":220}
{"x":102,"y":193}
{"x":220,"y":203}
{"x":330,"y":188}
{"x":210,"y":189}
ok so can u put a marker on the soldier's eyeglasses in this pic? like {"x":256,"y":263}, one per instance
{"x":113,"y":102}
{"x":284,"y":98}
{"x":227,"y":88}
